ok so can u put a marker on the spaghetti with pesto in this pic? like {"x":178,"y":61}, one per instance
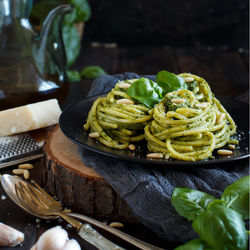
{"x":186,"y":124}
{"x":117,"y":118}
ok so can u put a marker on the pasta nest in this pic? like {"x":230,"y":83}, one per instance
{"x":188,"y":124}
{"x":117,"y":118}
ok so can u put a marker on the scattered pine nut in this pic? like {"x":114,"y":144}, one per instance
{"x":220,"y":118}
{"x":124,"y":85}
{"x":124,"y":101}
{"x":25,"y":166}
{"x":131,"y":80}
{"x":188,"y":79}
{"x":131,"y":147}
{"x":155,"y":155}
{"x":166,"y":157}
{"x":231,"y":146}
{"x":201,"y":105}
{"x":178,"y":100}
{"x":116,"y":224}
{"x":26,"y":174}
{"x":94,"y":135}
{"x":18,"y":171}
{"x":224,"y":152}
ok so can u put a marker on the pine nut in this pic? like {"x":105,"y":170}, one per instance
{"x":124,"y":101}
{"x":155,"y":155}
{"x":124,"y":85}
{"x":25,"y":166}
{"x":26,"y":174}
{"x":131,"y":80}
{"x":231,"y":146}
{"x":166,"y":157}
{"x":178,"y":100}
{"x":224,"y":152}
{"x":188,"y":79}
{"x":116,"y":224}
{"x":131,"y":147}
{"x":201,"y":105}
{"x":220,"y":118}
{"x":17,"y":171}
{"x":94,"y":135}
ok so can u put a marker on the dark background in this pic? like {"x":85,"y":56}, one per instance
{"x":221,"y":24}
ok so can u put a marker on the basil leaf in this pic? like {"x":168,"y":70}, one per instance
{"x":146,"y":91}
{"x":221,"y":227}
{"x":73,"y":75}
{"x":236,"y":196}
{"x":196,"y":244}
{"x":81,"y":12}
{"x":170,"y":81}
{"x":92,"y":72}
{"x":190,"y":203}
{"x":71,"y":42}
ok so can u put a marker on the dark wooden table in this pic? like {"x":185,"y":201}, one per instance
{"x":226,"y":72}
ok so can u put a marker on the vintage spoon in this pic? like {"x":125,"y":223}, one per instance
{"x":10,"y":183}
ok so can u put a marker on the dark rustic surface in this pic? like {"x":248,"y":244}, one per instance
{"x":173,"y":23}
{"x":227,"y":73}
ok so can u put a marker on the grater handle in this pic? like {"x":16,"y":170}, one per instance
{"x":21,"y":160}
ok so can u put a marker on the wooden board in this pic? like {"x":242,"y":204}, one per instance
{"x":78,"y":186}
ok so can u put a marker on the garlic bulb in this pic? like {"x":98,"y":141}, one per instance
{"x":10,"y":236}
{"x":55,"y":238}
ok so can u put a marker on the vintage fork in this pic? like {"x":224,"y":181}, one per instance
{"x":38,"y":202}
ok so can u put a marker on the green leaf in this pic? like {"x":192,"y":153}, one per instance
{"x":236,"y":196}
{"x":146,"y":91}
{"x":72,"y":43}
{"x":82,"y":11}
{"x":221,"y":227}
{"x":73,"y":75}
{"x":196,"y":244}
{"x":190,"y":203}
{"x":92,"y":71}
{"x":170,"y":81}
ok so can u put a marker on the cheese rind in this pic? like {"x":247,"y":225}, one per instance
{"x":29,"y":117}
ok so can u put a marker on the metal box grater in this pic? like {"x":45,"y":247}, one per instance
{"x":19,"y":148}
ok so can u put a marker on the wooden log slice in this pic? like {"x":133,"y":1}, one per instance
{"x":78,"y":186}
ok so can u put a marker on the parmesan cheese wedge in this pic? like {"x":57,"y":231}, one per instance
{"x":29,"y":117}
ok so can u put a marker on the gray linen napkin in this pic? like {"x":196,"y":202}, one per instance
{"x":148,"y":189}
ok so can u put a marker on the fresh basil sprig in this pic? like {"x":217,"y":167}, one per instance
{"x":170,"y":81}
{"x":146,"y":91}
{"x":190,"y":203}
{"x":150,"y":93}
{"x":221,"y":227}
{"x":218,"y":222}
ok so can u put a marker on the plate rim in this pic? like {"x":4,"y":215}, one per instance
{"x":143,"y":160}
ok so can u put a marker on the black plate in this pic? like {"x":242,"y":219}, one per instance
{"x":73,"y":118}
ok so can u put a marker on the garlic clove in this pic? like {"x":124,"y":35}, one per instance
{"x":9,"y":236}
{"x":72,"y":245}
{"x":52,"y":239}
